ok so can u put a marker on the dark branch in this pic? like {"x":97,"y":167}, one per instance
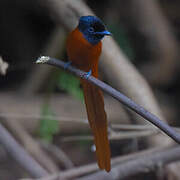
{"x":116,"y":94}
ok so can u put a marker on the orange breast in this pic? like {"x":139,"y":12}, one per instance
{"x":83,"y":54}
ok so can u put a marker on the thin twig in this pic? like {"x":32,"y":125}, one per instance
{"x":135,"y":127}
{"x":69,"y":119}
{"x":116,"y":94}
{"x":130,"y":127}
{"x":58,"y":154}
{"x":20,"y":155}
{"x":37,"y":116}
{"x":114,"y":135}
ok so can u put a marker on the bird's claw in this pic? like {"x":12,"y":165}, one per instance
{"x":88,"y":74}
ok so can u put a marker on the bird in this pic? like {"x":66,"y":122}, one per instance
{"x":83,"y":50}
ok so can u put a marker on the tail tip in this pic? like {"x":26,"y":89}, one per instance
{"x":106,"y":167}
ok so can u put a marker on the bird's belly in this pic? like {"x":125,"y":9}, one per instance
{"x":84,"y":57}
{"x":83,"y":54}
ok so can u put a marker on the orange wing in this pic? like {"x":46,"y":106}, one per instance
{"x":85,"y":56}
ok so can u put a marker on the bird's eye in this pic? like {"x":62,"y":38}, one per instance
{"x":91,"y":29}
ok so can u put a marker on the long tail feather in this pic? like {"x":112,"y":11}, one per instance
{"x":98,"y":122}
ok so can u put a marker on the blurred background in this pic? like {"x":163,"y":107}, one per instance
{"x":43,"y":106}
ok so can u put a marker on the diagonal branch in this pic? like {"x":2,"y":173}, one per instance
{"x":116,"y":94}
{"x":20,"y":155}
{"x":125,"y":75}
{"x":30,"y":144}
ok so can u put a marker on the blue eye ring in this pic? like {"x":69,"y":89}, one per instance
{"x":91,"y":29}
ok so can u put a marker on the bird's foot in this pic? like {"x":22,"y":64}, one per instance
{"x":88,"y":74}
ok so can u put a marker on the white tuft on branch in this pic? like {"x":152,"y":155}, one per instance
{"x":42,"y":59}
{"x":3,"y":66}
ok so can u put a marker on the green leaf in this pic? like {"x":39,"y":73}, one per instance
{"x":71,"y":84}
{"x":48,"y":126}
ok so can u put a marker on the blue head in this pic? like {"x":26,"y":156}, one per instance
{"x":92,"y":28}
